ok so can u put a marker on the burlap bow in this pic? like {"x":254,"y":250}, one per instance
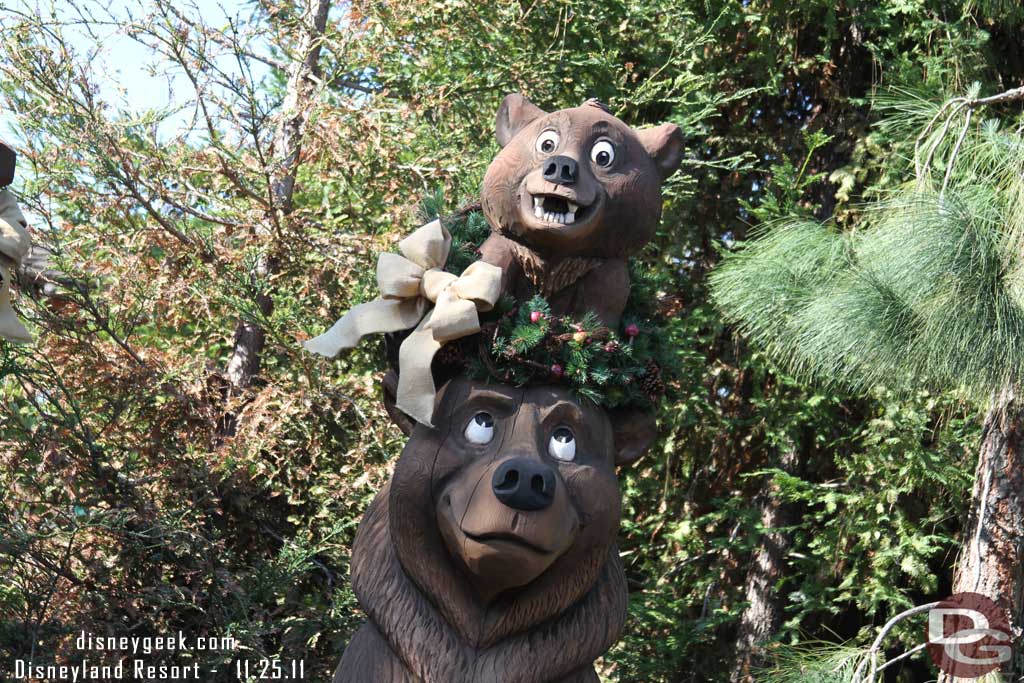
{"x":409,"y":284}
{"x":14,"y":246}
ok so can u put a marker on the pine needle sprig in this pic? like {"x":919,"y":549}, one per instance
{"x":467,"y":226}
{"x":929,"y":293}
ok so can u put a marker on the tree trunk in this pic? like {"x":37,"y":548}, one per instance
{"x":286,"y":148}
{"x":762,"y":616}
{"x":992,"y":559}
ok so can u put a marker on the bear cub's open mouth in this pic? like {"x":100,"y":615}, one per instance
{"x":555,"y":209}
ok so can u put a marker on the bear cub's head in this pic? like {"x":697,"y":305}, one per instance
{"x":577,"y":182}
{"x":521,"y":485}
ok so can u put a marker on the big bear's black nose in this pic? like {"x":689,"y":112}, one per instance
{"x":560,"y":170}
{"x":524,"y":484}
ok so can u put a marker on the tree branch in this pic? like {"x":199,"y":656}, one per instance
{"x":285,"y":158}
{"x":871,"y":656}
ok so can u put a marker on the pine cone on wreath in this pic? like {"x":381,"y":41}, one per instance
{"x":651,"y":381}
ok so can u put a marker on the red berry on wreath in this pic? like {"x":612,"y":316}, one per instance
{"x":632,"y":330}
{"x":557,"y":370}
{"x":536,"y":316}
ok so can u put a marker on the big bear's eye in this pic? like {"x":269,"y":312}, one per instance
{"x":480,"y":429}
{"x":602,"y":153}
{"x":562,"y":445}
{"x":547,"y":142}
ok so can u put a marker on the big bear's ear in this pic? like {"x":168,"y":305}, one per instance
{"x":634,"y":432}
{"x":390,"y":386}
{"x":515,"y":113}
{"x":665,"y":145}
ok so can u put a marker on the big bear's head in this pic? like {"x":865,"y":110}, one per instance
{"x":515,"y":491}
{"x":577,"y":182}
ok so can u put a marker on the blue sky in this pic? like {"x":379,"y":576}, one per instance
{"x":124,"y":69}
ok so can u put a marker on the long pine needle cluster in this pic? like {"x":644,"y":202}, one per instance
{"x":927,"y":294}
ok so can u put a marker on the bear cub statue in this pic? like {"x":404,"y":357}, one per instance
{"x":490,"y":555}
{"x":570,"y":196}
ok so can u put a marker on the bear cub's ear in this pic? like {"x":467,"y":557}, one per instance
{"x":634,"y":432}
{"x":515,"y":113}
{"x":665,"y":145}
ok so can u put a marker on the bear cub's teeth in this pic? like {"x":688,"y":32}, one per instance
{"x":561,"y":217}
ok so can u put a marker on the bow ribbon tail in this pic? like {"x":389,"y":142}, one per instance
{"x":374,"y":317}
{"x":416,"y":390}
{"x":451,"y":318}
{"x":11,"y":328}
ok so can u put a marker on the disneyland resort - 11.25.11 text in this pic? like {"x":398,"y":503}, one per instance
{"x":128,"y":658}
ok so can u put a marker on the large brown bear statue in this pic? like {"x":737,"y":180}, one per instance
{"x":570,"y":196}
{"x":490,"y":556}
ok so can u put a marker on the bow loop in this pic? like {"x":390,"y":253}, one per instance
{"x":409,"y":283}
{"x":398,"y":277}
{"x":481,"y":284}
{"x":428,"y":246}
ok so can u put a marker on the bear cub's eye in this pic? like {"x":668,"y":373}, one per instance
{"x":562,"y":445}
{"x":602,"y":153}
{"x":547,"y":142}
{"x":480,"y":429}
